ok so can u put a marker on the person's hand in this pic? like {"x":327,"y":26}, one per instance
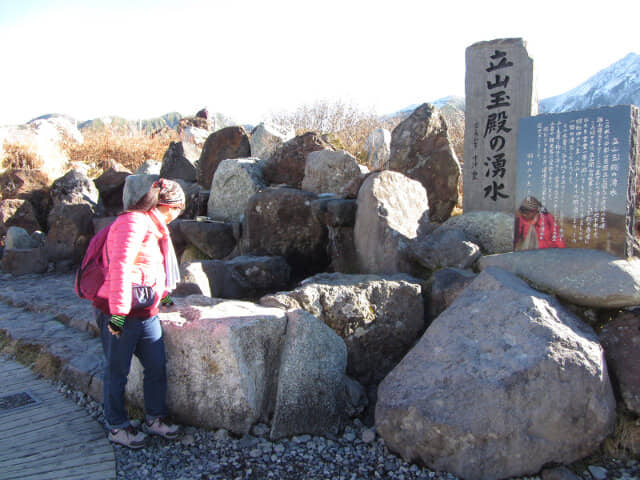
{"x":116,"y":324}
{"x":167,"y":301}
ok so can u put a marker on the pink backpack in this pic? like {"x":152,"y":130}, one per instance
{"x":92,"y":272}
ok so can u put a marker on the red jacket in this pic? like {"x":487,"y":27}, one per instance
{"x":547,"y":231}
{"x":134,"y":258}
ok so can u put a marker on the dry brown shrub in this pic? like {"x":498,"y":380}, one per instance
{"x":130,"y":150}
{"x":347,"y":126}
{"x":18,"y":155}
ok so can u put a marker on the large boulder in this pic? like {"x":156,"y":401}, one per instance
{"x":265,"y":139}
{"x":492,"y":231}
{"x":214,"y":239}
{"x":444,"y":248}
{"x":234,"y":183}
{"x":75,"y":203}
{"x":522,"y":383}
{"x":38,"y":145}
{"x":311,"y":384}
{"x":327,"y":171}
{"x":242,"y":277}
{"x":179,"y":161}
{"x":110,"y":185}
{"x":591,"y":278}
{"x":230,"y":142}
{"x":378,"y":317}
{"x":232,"y":364}
{"x":390,"y":209}
{"x":19,"y":261}
{"x":135,"y":186}
{"x":280,"y":222}
{"x":30,"y":185}
{"x":18,"y":213}
{"x":222,"y":364}
{"x":421,"y":149}
{"x":18,"y":237}
{"x":378,"y":146}
{"x":621,"y":341}
{"x":286,"y":165}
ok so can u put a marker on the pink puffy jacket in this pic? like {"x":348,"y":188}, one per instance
{"x":134,"y":258}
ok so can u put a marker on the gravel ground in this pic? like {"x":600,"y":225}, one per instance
{"x":358,"y":454}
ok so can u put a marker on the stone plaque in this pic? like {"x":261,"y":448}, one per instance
{"x":499,"y":91}
{"x":577,"y":182}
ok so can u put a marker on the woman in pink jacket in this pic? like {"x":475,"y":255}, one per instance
{"x":142,"y":270}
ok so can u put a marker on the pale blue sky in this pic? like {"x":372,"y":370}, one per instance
{"x":141,"y":58}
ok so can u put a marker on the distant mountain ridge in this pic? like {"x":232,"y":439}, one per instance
{"x":618,"y":84}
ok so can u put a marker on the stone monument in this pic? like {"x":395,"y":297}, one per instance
{"x":577,"y":180}
{"x":499,"y":91}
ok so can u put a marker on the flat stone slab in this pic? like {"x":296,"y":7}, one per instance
{"x":590,"y":278}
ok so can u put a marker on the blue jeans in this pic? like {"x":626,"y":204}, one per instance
{"x":144,"y":339}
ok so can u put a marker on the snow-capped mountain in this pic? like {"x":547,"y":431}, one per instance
{"x":618,"y":84}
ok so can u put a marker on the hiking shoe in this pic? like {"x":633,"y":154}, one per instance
{"x":161,"y":426}
{"x":129,"y":437}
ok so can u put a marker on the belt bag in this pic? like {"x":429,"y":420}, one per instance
{"x":142,"y":296}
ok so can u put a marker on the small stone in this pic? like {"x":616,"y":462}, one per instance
{"x":368,"y":435}
{"x":255,"y":453}
{"x":301,"y":438}
{"x":599,"y":473}
{"x":188,"y":440}
{"x":221,"y":435}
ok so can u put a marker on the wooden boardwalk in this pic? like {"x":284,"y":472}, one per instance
{"x":46,"y":436}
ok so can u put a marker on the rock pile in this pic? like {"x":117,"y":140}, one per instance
{"x":310,"y":288}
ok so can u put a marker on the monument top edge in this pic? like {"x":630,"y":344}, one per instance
{"x":504,"y":42}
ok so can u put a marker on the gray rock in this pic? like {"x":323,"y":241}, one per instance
{"x":179,"y":161}
{"x":24,"y":261}
{"x":15,"y":212}
{"x":621,"y":340}
{"x":421,"y":149}
{"x":444,"y":248}
{"x":234,"y":183}
{"x":599,"y":473}
{"x":222,"y":361}
{"x":286,"y":165}
{"x":280,"y":222}
{"x":378,"y":317}
{"x":265,"y":139}
{"x":378,"y":146}
{"x":135,"y":186}
{"x":243,"y":277}
{"x":335,"y":212}
{"x":214,"y":239}
{"x":75,"y":203}
{"x":327,"y":171}
{"x":493,"y":231}
{"x":18,"y":237}
{"x":446,"y":284}
{"x":521,"y":384}
{"x":591,"y":278}
{"x":110,"y":185}
{"x":390,"y":208}
{"x":311,"y":382}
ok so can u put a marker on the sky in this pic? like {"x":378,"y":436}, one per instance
{"x":249,"y":59}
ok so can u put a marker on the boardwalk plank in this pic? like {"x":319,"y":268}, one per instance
{"x":52,"y":439}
